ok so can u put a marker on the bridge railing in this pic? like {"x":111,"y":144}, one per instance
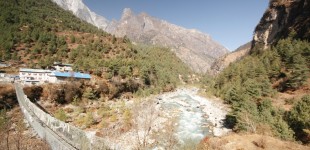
{"x":78,"y":138}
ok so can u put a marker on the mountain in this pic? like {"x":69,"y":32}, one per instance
{"x":269,"y":80}
{"x":219,"y":64}
{"x":83,"y":12}
{"x":195,"y":48}
{"x":282,"y":18}
{"x":34,"y":34}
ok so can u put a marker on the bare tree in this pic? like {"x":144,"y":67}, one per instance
{"x":144,"y":115}
{"x":248,"y":122}
{"x":168,"y":138}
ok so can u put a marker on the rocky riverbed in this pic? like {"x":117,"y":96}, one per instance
{"x":172,"y":120}
{"x":198,"y":116}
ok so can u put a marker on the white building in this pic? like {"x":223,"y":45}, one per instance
{"x":62,"y":67}
{"x":39,"y":76}
{"x":34,"y":75}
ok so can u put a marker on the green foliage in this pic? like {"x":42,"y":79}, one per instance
{"x":72,"y":38}
{"x":247,"y":84}
{"x":159,"y":67}
{"x":124,"y":71}
{"x":295,"y":56}
{"x":87,"y":120}
{"x":113,"y":117}
{"x":299,"y":117}
{"x":104,"y":111}
{"x":27,"y":22}
{"x":127,"y":117}
{"x":89,"y":93}
{"x":61,"y":115}
{"x":45,"y":39}
{"x":3,"y":119}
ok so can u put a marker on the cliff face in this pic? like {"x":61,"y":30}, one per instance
{"x":281,"y":18}
{"x":196,"y":49}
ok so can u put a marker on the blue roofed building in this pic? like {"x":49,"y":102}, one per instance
{"x":39,"y":76}
{"x":57,"y":76}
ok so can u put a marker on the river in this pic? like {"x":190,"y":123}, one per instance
{"x":198,"y":117}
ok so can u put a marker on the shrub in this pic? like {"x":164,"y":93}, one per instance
{"x":7,"y":96}
{"x":113,"y":117}
{"x":127,"y":117}
{"x":72,"y":38}
{"x":33,"y":92}
{"x":103,"y":88}
{"x":104,"y":111}
{"x":89,"y":119}
{"x":72,"y":90}
{"x":89,"y":93}
{"x":299,"y":118}
{"x":61,"y":115}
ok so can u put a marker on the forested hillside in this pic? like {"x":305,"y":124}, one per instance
{"x":36,"y":33}
{"x":251,"y":87}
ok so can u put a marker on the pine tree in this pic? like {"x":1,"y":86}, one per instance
{"x":299,"y":72}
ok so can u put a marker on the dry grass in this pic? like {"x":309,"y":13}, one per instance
{"x":249,"y":142}
{"x":261,"y":143}
{"x":19,"y":136}
{"x":287,"y":99}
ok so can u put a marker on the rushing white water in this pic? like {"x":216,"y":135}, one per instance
{"x":196,"y":115}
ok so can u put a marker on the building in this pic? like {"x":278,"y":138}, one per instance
{"x":34,"y":76}
{"x":57,"y":76}
{"x":62,"y":67}
{"x":39,"y":76}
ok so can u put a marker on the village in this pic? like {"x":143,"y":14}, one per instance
{"x":57,"y":73}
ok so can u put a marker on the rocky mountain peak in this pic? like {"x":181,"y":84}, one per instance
{"x":127,"y":12}
{"x":195,"y":48}
{"x":79,"y":9}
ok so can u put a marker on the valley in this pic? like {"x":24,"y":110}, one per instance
{"x":72,"y":79}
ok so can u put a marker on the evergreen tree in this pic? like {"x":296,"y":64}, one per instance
{"x":299,"y":118}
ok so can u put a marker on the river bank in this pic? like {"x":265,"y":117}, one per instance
{"x":213,"y":110}
{"x":172,"y":120}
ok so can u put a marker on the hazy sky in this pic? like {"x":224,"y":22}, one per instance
{"x":229,"y":22}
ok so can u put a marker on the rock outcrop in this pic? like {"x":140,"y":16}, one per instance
{"x":222,"y":62}
{"x":282,"y":18}
{"x":195,"y":48}
{"x":79,"y":9}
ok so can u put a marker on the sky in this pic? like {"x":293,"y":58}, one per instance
{"x":229,"y":22}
